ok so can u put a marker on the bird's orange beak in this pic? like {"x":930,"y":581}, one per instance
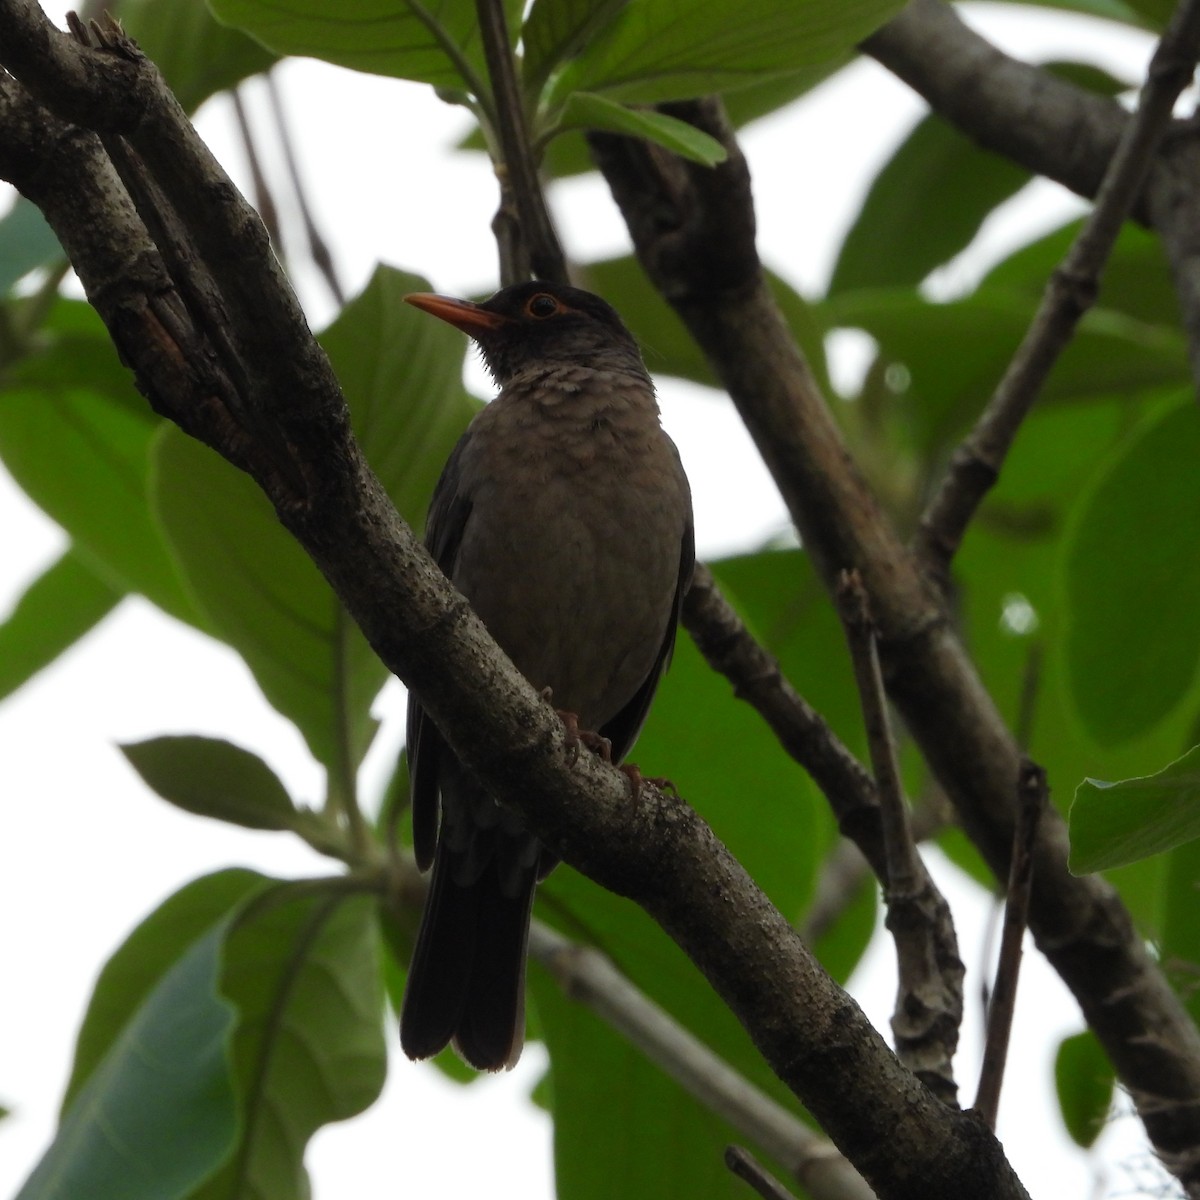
{"x":462,"y":314}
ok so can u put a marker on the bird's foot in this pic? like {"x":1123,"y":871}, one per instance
{"x":597,"y":743}
{"x":637,"y":780}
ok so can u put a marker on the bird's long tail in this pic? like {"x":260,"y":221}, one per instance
{"x":467,"y":979}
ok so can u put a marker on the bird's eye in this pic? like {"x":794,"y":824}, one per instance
{"x":542,"y":305}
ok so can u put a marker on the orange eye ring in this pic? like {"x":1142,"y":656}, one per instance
{"x":542,"y":305}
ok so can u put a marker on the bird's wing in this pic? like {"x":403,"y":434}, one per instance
{"x":624,"y":728}
{"x":448,"y":513}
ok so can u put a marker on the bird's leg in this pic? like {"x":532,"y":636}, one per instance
{"x":633,"y":773}
{"x":597,"y":743}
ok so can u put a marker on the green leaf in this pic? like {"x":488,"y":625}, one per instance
{"x":557,"y":30}
{"x":196,"y":55}
{"x":1133,"y":642}
{"x":893,"y":241}
{"x":1117,"y":823}
{"x":401,"y":373}
{"x":666,"y":344}
{"x":1085,"y":1082}
{"x":302,"y":968}
{"x":213,"y":778}
{"x":26,"y":242}
{"x":435,"y":42}
{"x":671,"y":50}
{"x":1111,"y":354}
{"x":1136,"y":281}
{"x":262,"y":594}
{"x":585,"y":110}
{"x":139,"y":964}
{"x":53,"y":613}
{"x":156,"y":1115}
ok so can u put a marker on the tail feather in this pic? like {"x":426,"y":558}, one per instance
{"x":467,"y":978}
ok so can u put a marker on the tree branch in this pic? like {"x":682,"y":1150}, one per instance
{"x":693,"y":230}
{"x":532,"y":237}
{"x":1031,"y":803}
{"x":929,"y":997}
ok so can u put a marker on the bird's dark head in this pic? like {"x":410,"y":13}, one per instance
{"x":536,"y":323}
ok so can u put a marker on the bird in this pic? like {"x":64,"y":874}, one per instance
{"x":564,"y":516}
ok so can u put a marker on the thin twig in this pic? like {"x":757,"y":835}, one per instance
{"x":263,"y":200}
{"x":318,"y":247}
{"x":929,"y":995}
{"x":1070,"y":292}
{"x":1031,"y":802}
{"x":745,"y":1166}
{"x":520,"y":189}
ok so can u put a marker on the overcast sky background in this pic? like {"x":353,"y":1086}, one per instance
{"x":88,"y":852}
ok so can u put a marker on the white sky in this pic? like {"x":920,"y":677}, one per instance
{"x":88,"y":852}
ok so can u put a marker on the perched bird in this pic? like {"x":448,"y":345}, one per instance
{"x":565,"y":518}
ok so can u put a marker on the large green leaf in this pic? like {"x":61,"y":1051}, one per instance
{"x":1013,"y":612}
{"x":924,"y":206}
{"x":557,"y":30}
{"x":956,"y":353}
{"x":433,"y":42}
{"x":401,"y":373}
{"x":262,"y":594}
{"x":302,"y":968}
{"x":1085,"y":1082}
{"x":586,"y":110}
{"x":140,"y":963}
{"x":196,"y":55}
{"x":53,"y":613}
{"x":666,"y":344}
{"x":1133,"y":643}
{"x":1136,"y":280}
{"x":83,"y":458}
{"x":674,"y":49}
{"x":157,"y":1114}
{"x":1117,"y":823}
{"x":213,"y":778}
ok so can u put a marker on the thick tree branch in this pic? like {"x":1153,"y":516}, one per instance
{"x":693,"y":230}
{"x":659,"y":852}
{"x":1070,"y":292}
{"x":1038,"y":120}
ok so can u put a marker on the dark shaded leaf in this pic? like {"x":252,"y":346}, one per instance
{"x":589,"y":111}
{"x":1085,"y":1082}
{"x":1117,"y":823}
{"x":670,"y":50}
{"x":1133,"y":643}
{"x":213,"y":778}
{"x":923,"y":208}
{"x":26,"y":242}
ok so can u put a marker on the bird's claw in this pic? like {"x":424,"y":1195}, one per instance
{"x":597,"y":743}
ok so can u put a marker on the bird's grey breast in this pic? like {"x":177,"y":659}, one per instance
{"x":572,"y":549}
